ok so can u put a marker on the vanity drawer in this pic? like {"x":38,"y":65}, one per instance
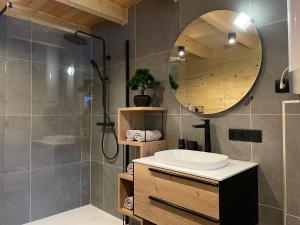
{"x":164,"y":213}
{"x":201,"y":196}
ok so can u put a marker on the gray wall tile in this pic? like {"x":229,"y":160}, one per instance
{"x":18,"y":87}
{"x":86,"y":89}
{"x":117,"y":88}
{"x":18,"y":38}
{"x":2,"y":84}
{"x":116,"y":35}
{"x":3,"y":36}
{"x":55,"y":190}
{"x":292,"y":109}
{"x":49,"y":46}
{"x":49,"y":154}
{"x":152,"y":38}
{"x":96,"y":153}
{"x":17,"y":144}
{"x":1,"y":198}
{"x":54,"y":92}
{"x":276,"y":11}
{"x":221,"y":143}
{"x":173,"y":130}
{"x":269,"y":156}
{"x":97,"y":94}
{"x":85,"y":183}
{"x":292,"y":220}
{"x":86,"y":137}
{"x":110,"y":188}
{"x":16,"y":198}
{"x":2,"y":119}
{"x":270,"y":216}
{"x":275,"y":60}
{"x":97,"y":184}
{"x":293,"y":164}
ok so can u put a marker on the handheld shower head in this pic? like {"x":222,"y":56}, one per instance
{"x":96,"y":67}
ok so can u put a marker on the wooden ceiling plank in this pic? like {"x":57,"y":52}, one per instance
{"x":247,"y":39}
{"x":22,"y":2}
{"x":194,"y":47}
{"x":60,"y":11}
{"x":35,"y":16}
{"x":36,"y":4}
{"x":101,"y":8}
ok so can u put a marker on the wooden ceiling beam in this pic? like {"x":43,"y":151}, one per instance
{"x":105,"y":9}
{"x":26,"y":13}
{"x":226,"y":25}
{"x":194,"y":47}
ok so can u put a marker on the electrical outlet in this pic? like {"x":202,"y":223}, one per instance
{"x":245,"y":135}
{"x":286,"y":89}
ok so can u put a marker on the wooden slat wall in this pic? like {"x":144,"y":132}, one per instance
{"x":219,"y":82}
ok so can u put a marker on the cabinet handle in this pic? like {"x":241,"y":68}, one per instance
{"x":184,"y":177}
{"x":173,"y":205}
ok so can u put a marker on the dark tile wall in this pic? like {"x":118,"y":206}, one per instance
{"x":38,"y":99}
{"x":152,"y":30}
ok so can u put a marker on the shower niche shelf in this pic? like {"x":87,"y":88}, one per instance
{"x":137,"y":118}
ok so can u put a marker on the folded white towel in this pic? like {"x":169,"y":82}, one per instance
{"x":128,"y":203}
{"x":130,"y":134}
{"x":130,"y":168}
{"x":149,"y":135}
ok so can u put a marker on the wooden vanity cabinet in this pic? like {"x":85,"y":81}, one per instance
{"x":165,"y":197}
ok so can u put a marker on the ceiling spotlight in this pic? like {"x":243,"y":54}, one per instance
{"x":181,"y":51}
{"x":242,"y":21}
{"x":232,"y":38}
{"x":71,"y":70}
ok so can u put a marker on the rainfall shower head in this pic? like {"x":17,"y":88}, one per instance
{"x":75,"y":39}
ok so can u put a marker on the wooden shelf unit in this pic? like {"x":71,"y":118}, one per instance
{"x":128,"y":119}
{"x":125,"y":187}
{"x":134,"y":118}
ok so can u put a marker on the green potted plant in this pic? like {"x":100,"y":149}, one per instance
{"x":142,"y":80}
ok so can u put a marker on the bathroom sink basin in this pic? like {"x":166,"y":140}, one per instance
{"x":192,"y":159}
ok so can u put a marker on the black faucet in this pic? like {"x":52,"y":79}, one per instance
{"x":206,"y":127}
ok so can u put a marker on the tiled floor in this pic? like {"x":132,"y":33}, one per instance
{"x":87,"y":215}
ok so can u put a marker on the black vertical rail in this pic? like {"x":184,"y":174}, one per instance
{"x":162,"y":126}
{"x":126,"y":155}
{"x":127,"y":93}
{"x":145,"y":125}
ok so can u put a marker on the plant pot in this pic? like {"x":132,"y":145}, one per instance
{"x":142,"y":100}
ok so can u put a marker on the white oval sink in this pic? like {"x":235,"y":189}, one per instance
{"x":192,"y":159}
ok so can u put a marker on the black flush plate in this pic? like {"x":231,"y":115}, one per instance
{"x":245,"y":135}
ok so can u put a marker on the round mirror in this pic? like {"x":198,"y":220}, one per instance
{"x":215,"y":61}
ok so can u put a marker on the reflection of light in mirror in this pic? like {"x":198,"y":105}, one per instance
{"x":71,"y":70}
{"x":50,"y":76}
{"x":242,"y":21}
{"x":181,"y":51}
{"x":231,"y":38}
